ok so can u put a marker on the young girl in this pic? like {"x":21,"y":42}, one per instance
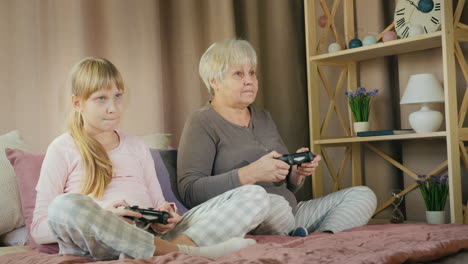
{"x":92,"y":172}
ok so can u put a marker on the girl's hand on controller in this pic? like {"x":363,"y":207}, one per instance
{"x":117,"y":207}
{"x":174,"y":218}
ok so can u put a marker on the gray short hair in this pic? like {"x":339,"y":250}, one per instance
{"x":221,"y":56}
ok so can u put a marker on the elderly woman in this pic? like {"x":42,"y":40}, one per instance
{"x":228,"y":143}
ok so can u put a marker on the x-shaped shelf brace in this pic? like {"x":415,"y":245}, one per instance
{"x":409,"y":172}
{"x":332,"y":96}
{"x":336,"y":176}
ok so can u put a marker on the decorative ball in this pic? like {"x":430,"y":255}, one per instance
{"x":355,"y":43}
{"x":322,"y":21}
{"x":334,"y":47}
{"x":415,"y":30}
{"x":425,"y":6}
{"x":368,"y":40}
{"x":389,"y":36}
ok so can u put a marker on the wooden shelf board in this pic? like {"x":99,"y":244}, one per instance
{"x":400,"y":46}
{"x":340,"y":140}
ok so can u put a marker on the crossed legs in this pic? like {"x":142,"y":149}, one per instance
{"x":83,"y":228}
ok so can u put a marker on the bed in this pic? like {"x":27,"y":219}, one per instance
{"x":386,"y":244}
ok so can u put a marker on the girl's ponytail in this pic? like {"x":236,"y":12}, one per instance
{"x":96,"y":163}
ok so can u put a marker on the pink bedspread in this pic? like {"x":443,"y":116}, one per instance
{"x":369,"y":244}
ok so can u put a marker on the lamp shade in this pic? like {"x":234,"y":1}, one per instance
{"x":423,"y":88}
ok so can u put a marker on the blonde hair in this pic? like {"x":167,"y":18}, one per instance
{"x":88,"y":76}
{"x":221,"y":56}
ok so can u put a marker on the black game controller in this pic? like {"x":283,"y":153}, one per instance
{"x":298,"y":158}
{"x":295,"y":159}
{"x":149,"y":215}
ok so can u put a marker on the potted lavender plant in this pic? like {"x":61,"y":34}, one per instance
{"x":359,"y":103}
{"x":434,"y":190}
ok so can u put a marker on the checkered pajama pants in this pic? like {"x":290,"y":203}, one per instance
{"x":334,"y":212}
{"x":83,"y":228}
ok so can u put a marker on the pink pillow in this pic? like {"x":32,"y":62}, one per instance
{"x":27,"y":167}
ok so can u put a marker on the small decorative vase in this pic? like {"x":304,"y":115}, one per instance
{"x":435,"y":217}
{"x":361,"y":126}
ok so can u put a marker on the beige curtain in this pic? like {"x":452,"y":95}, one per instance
{"x":157,"y":46}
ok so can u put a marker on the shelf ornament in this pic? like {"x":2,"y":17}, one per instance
{"x":424,"y":89}
{"x":389,"y":36}
{"x":359,"y":103}
{"x":369,"y":40}
{"x":434,"y":190}
{"x":355,"y":43}
{"x":334,"y":47}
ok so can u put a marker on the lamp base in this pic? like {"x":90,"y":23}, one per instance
{"x":425,"y":120}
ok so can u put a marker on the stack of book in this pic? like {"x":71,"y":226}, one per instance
{"x":384,"y":132}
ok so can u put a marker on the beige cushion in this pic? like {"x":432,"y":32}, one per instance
{"x":10,"y":204}
{"x":158,"y":140}
{"x":8,"y":250}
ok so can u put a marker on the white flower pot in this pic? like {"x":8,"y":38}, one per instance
{"x":361,"y":126}
{"x":435,"y":217}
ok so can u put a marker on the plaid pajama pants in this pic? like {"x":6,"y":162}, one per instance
{"x":334,"y":212}
{"x":83,"y":228}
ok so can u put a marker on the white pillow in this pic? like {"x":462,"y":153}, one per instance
{"x":158,"y":140}
{"x":16,"y":237}
{"x":10,"y":203}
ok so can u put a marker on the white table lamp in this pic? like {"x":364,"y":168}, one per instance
{"x":424,"y":89}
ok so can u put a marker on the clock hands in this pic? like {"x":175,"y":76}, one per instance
{"x":412,"y":3}
{"x":424,"y":6}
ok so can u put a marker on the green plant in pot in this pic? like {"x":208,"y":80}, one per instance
{"x":359,"y":103}
{"x":434,"y":190}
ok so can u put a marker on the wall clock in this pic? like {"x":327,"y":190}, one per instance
{"x":425,"y":13}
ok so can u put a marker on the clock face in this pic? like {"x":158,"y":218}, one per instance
{"x":417,"y":14}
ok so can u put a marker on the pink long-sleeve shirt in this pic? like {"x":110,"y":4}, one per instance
{"x":134,"y":179}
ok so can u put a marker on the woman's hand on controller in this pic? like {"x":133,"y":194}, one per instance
{"x":266,"y":169}
{"x":307,"y":168}
{"x":117,"y":207}
{"x":174,"y":218}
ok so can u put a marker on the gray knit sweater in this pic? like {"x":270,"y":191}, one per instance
{"x":212,"y":149}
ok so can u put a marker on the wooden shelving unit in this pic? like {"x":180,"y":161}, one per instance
{"x":448,"y":38}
